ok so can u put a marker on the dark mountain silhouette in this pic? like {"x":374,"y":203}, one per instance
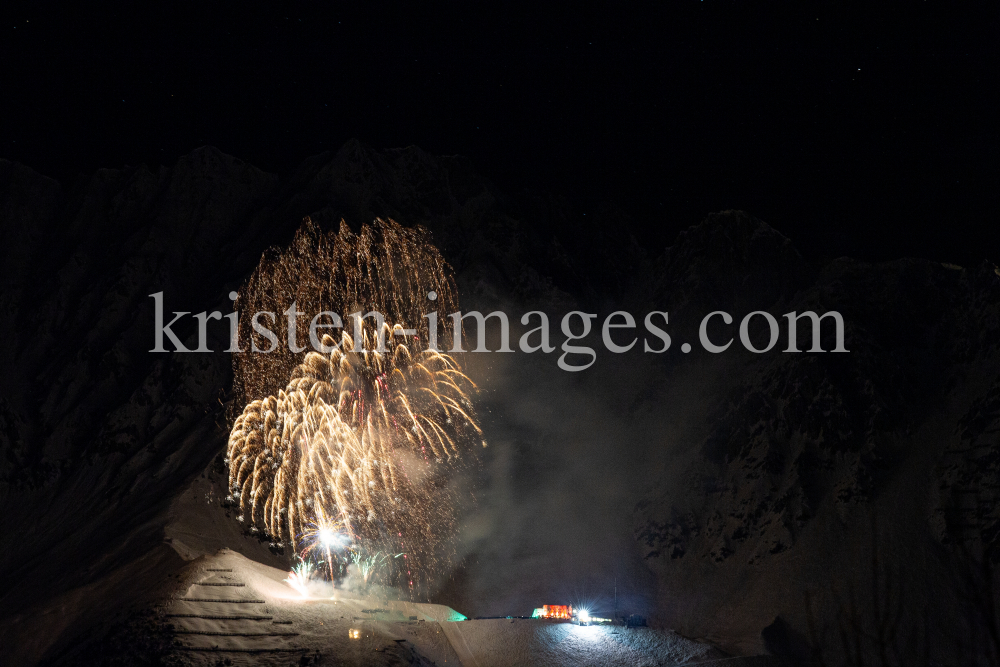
{"x":818,"y":506}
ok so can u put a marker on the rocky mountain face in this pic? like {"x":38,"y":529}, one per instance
{"x":842,"y":503}
{"x":97,"y":434}
{"x":821,"y":505}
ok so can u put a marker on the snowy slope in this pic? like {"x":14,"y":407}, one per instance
{"x":228,"y":605}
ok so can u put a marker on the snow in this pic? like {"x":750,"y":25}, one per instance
{"x":516,"y":642}
{"x":228,"y":605}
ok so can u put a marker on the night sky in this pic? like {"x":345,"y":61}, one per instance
{"x":866,"y":131}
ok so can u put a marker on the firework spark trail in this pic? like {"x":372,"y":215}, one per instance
{"x":325,"y":540}
{"x":358,"y":445}
{"x":368,"y":564}
{"x":296,"y":459}
{"x":385,"y":267}
{"x":300,"y":576}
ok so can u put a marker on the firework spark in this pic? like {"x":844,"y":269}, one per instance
{"x":326,"y":539}
{"x":369,"y":564}
{"x":385,"y":267}
{"x":358,"y":446}
{"x":300,"y":576}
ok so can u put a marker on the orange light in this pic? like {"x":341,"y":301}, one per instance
{"x":562,"y":611}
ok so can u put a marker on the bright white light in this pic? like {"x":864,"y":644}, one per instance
{"x":584,"y":615}
{"x":331,"y":539}
{"x":299,"y":578}
{"x":327,"y":537}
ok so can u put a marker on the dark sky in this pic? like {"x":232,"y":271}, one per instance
{"x":866,"y":131}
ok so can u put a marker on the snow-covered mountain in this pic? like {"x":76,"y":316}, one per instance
{"x":804,"y":504}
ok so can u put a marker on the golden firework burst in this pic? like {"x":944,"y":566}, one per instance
{"x":359,"y":442}
{"x":384,"y":267}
